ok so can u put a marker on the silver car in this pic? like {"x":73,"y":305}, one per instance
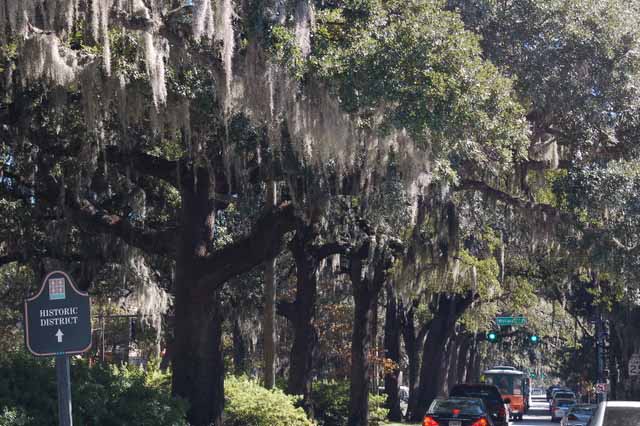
{"x":616,"y":413}
{"x":578,"y":415}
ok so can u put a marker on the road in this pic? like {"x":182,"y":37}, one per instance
{"x":538,"y":416}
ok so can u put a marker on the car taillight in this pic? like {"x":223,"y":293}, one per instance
{"x":572,"y":417}
{"x":481,"y":422}
{"x":429,"y":421}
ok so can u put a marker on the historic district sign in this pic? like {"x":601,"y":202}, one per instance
{"x":58,"y":318}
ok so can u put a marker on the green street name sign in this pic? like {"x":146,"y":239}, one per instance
{"x":511,"y":321}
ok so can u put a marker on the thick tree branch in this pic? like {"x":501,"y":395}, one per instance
{"x":145,"y":164}
{"x":9,"y":258}
{"x":94,"y":220}
{"x":325,"y":250}
{"x":546,"y":209}
{"x":263,"y":243}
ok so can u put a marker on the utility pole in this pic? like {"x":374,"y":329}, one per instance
{"x":269,"y":323}
{"x":602,"y":352}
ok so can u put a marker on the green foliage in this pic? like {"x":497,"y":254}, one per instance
{"x":13,"y":417}
{"x":248,"y":403}
{"x":286,"y":51}
{"x":102,"y":395}
{"x":331,"y":404}
{"x":415,"y":63}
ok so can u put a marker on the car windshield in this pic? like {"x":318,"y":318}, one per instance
{"x":484,"y":393}
{"x":622,"y":416}
{"x":449,"y":406}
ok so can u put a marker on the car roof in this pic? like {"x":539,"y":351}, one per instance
{"x":475,"y":385}
{"x":462,"y":399}
{"x":622,"y":403}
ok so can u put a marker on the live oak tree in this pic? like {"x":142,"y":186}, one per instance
{"x":130,"y":128}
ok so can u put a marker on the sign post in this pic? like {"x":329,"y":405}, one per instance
{"x":58,"y":323}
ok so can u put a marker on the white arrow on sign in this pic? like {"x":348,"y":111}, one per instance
{"x":59,"y":335}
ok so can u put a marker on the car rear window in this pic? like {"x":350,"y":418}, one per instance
{"x":484,"y":393}
{"x":447,"y":407}
{"x":565,"y":395}
{"x":621,"y":416}
{"x":565,"y":402}
{"x":583,"y":411}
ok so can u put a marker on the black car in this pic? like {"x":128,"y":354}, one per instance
{"x":457,"y":412}
{"x":490,"y":396}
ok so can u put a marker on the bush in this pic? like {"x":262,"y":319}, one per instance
{"x":249,"y":404}
{"x":102,"y":395}
{"x":13,"y":418}
{"x":331,"y":404}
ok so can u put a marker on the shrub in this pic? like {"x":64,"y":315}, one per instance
{"x":13,"y":417}
{"x":102,"y":395}
{"x":331,"y":404}
{"x":248,"y":403}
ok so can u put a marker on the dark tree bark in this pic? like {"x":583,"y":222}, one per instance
{"x":452,"y":365}
{"x":364,"y":297}
{"x":198,"y":368}
{"x":269,"y":320}
{"x":473,"y":369}
{"x":463,"y":358}
{"x":366,"y":291}
{"x":392,"y":352}
{"x":302,"y":312}
{"x":447,"y":311}
{"x":413,"y":341}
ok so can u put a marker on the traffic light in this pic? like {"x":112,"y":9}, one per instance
{"x":492,"y":337}
{"x":534,"y":338}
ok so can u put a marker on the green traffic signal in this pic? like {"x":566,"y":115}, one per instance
{"x":534,"y":338}
{"x":492,"y":336}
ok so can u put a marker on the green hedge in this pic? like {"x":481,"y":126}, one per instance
{"x":102,"y":395}
{"x":249,"y":404}
{"x":122,"y":396}
{"x":331,"y":404}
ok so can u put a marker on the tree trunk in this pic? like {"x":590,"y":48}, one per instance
{"x":452,"y":368}
{"x":392,"y":352}
{"x":269,"y":320}
{"x":463,"y":359}
{"x":413,"y":343}
{"x":302,"y":312}
{"x":360,"y":346}
{"x":432,"y":358}
{"x":198,"y":367}
{"x":449,"y":308}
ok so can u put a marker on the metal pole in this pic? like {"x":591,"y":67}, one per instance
{"x":64,"y":390}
